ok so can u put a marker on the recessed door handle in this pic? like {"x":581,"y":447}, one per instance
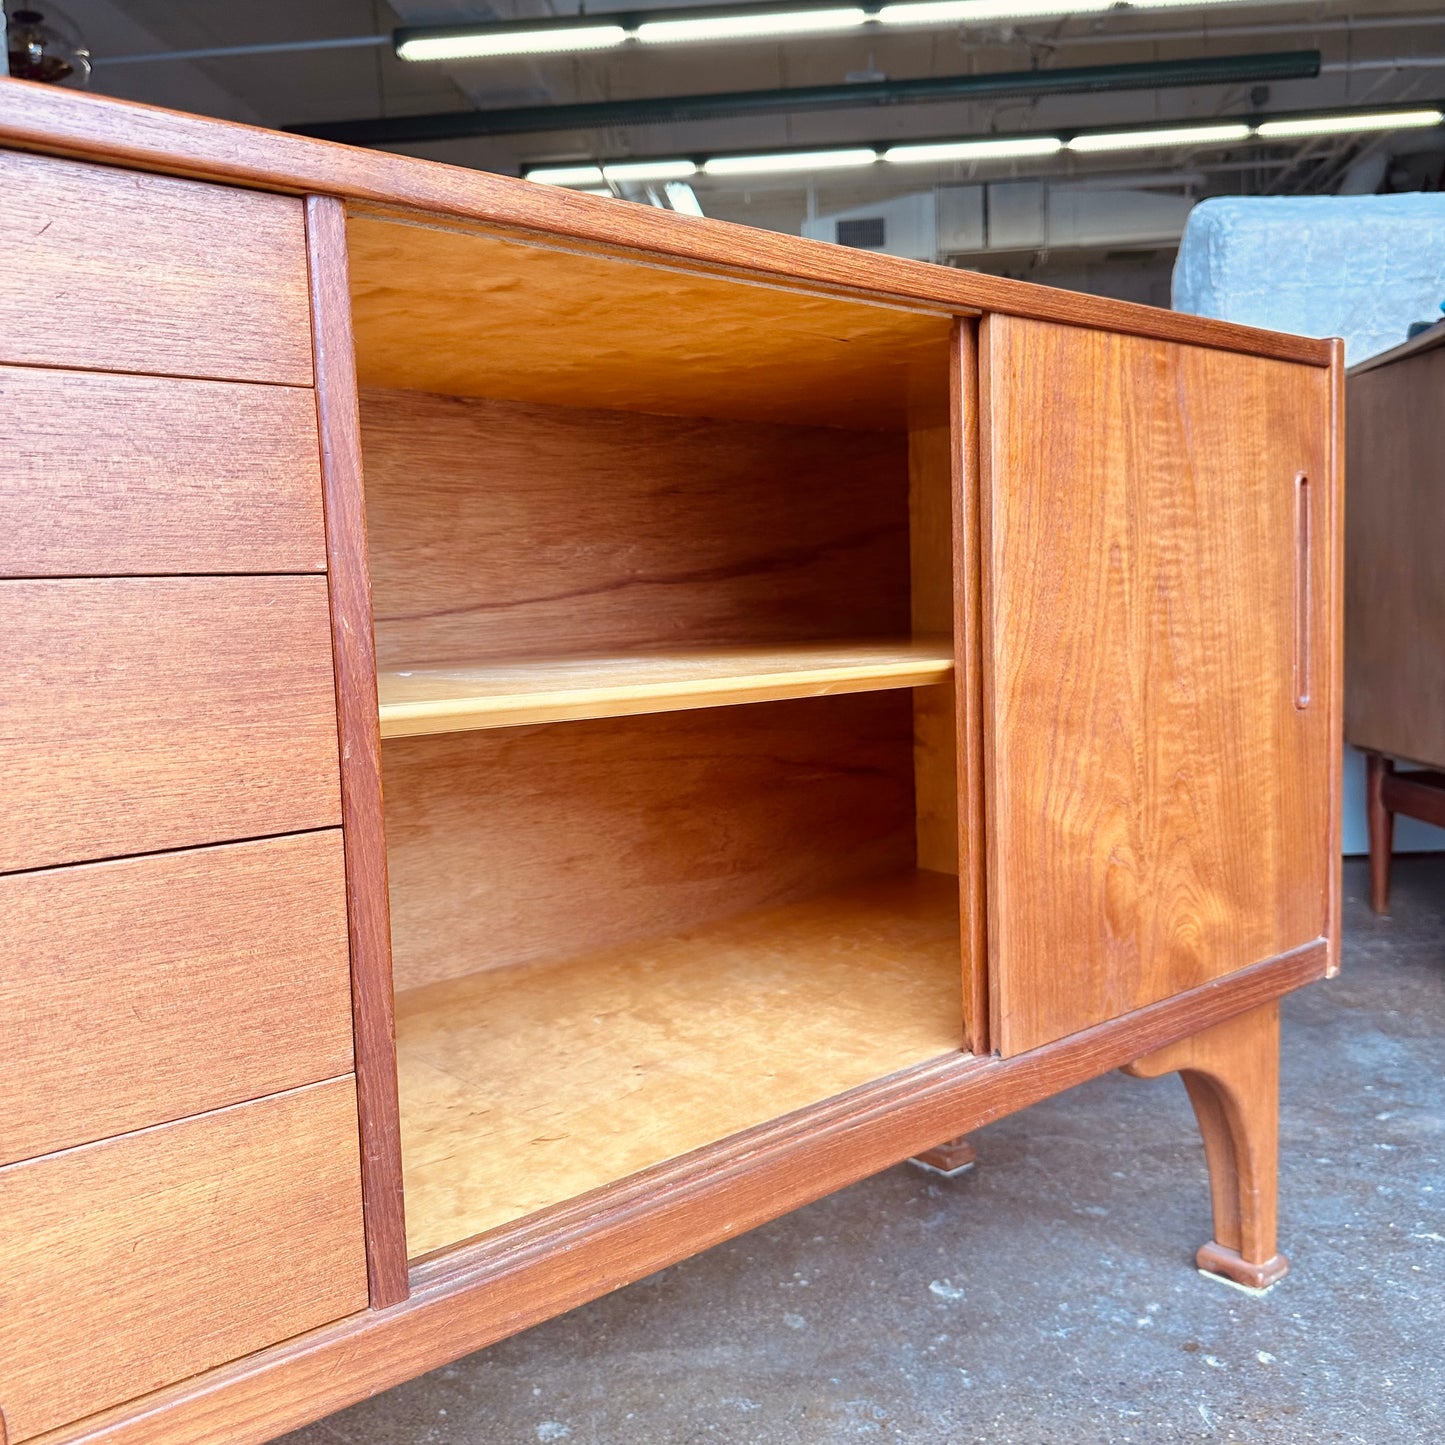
{"x":1302,"y":598}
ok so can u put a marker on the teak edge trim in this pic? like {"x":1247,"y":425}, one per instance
{"x":359,"y":741}
{"x":1334,"y":901}
{"x":989,"y":763}
{"x":43,"y":117}
{"x":968,"y":681}
{"x":474,"y":1295}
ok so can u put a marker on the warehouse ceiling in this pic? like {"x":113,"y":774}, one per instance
{"x":1371,"y":56}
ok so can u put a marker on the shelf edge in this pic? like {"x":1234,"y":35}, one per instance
{"x":413,"y":719}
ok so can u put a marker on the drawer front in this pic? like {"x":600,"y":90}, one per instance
{"x":142,"y":714}
{"x":132,"y":1263}
{"x":151,"y":989}
{"x":115,"y":475}
{"x":117,"y":270}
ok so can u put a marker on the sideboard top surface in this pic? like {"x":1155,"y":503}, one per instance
{"x":47,"y":118}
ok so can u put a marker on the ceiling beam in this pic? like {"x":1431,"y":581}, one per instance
{"x":653,"y":110}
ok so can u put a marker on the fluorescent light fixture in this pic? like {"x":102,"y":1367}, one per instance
{"x":1178,"y":4}
{"x":649,"y":170}
{"x":975,"y":150}
{"x":748,"y":27}
{"x":676,"y":171}
{"x":1183,"y":135}
{"x":682,"y":198}
{"x":978,"y":12}
{"x":964,"y":12}
{"x":787,"y":161}
{"x":567,"y":175}
{"x":687,"y":24}
{"x":480,"y":44}
{"x":1344,"y":124}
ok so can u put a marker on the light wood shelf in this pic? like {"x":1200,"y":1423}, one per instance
{"x":458,"y":697}
{"x":524,"y":1087}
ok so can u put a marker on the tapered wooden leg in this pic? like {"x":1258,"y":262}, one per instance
{"x":1381,"y":822}
{"x":951,"y":1158}
{"x":1232,"y":1074}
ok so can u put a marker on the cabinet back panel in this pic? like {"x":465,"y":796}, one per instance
{"x":543,"y":842}
{"x":502,"y":529}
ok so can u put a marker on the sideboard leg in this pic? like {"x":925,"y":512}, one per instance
{"x":1232,"y":1074}
{"x":954,"y":1157}
{"x":1381,"y":823}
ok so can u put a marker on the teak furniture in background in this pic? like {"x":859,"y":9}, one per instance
{"x":825,"y":702}
{"x":1395,"y":589}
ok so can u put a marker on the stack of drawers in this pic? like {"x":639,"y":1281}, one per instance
{"x":179,"y":1166}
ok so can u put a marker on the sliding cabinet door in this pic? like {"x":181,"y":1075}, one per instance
{"x":1156,"y":525}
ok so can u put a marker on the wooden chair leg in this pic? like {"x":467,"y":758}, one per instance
{"x":954,"y":1157}
{"x":1381,"y":822}
{"x":1232,"y":1074}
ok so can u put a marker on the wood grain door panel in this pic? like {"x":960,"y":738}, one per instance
{"x":149,"y":989}
{"x":144,"y":1259}
{"x":142,"y":714}
{"x":1158,"y":802}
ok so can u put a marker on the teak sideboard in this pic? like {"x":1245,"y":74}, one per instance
{"x":1395,"y":590}
{"x":539,"y":734}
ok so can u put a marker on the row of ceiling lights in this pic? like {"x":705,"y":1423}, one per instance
{"x":997,"y":148}
{"x":573,"y":34}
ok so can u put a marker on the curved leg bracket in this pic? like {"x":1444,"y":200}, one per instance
{"x":1232,"y":1075}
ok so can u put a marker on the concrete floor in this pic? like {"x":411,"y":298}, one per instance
{"x":1048,"y":1296}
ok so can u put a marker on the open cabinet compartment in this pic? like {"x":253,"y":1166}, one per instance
{"x":663,"y":596}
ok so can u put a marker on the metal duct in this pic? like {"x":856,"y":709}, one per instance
{"x":655,"y":110}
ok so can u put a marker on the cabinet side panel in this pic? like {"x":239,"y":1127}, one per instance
{"x":930,"y":545}
{"x":1160,"y":605}
{"x":1394,"y":561}
{"x":359,"y":736}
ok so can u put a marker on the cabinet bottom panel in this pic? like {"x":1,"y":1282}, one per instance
{"x":524,"y":1087}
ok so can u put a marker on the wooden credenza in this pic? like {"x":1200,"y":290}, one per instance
{"x":822,"y":702}
{"x":1395,"y":591}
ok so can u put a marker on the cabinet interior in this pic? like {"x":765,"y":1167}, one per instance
{"x":663,"y":597}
